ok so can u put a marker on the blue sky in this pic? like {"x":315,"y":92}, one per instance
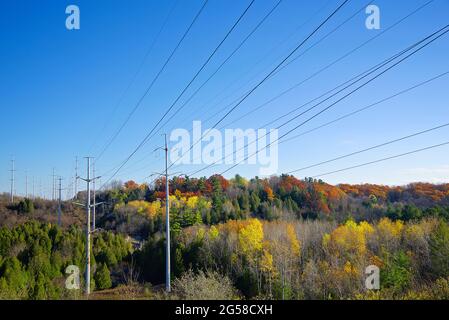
{"x":59,"y":87}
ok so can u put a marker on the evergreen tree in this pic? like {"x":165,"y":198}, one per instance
{"x":439,"y":250}
{"x":103,"y":277}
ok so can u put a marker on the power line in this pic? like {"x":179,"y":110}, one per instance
{"x":268,"y":53}
{"x":149,"y":136}
{"x":139,"y":69}
{"x":351,"y":92}
{"x":367,"y":107}
{"x":370,"y":148}
{"x":328,"y":65}
{"x":222,"y":64}
{"x":356,"y":79}
{"x":309,"y":48}
{"x":152,"y":82}
{"x":319,"y":71}
{"x":413,"y":12}
{"x":218,"y":69}
{"x":185,"y":88}
{"x":241,"y":44}
{"x":351,"y":82}
{"x":270,"y":73}
{"x":383,"y":159}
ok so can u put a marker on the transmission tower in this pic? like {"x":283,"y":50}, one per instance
{"x":76,"y":177}
{"x":13,"y":170}
{"x":26,"y":184}
{"x":53,"y":194}
{"x":94,"y":196}
{"x":88,"y":206}
{"x":59,"y":201}
{"x":167,"y":218}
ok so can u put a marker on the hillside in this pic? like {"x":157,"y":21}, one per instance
{"x":274,"y":238}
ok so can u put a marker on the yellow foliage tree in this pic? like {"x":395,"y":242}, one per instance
{"x":251,"y":237}
{"x":414,"y":232}
{"x":151,"y":209}
{"x":389,"y":228}
{"x":349,"y":238}
{"x":140,"y":205}
{"x":213,"y":233}
{"x":266,"y":262}
{"x":295,"y":245}
{"x":192,"y":202}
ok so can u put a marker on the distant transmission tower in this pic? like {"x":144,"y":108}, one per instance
{"x":53,"y":194}
{"x":26,"y":184}
{"x":76,"y":177}
{"x":13,"y":170}
{"x":59,"y":201}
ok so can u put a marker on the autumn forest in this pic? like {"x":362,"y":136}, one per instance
{"x":272,"y":238}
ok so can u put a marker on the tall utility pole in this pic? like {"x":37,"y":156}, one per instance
{"x":76,"y":177}
{"x":59,"y":202}
{"x":13,"y":170}
{"x":87,"y":289}
{"x":88,"y":224}
{"x":88,"y":228}
{"x":94,"y":196}
{"x":26,"y":184}
{"x":167,"y":214}
{"x":34,"y":195}
{"x":53,"y":194}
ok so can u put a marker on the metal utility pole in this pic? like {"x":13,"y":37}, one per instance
{"x":53,"y":195}
{"x":167,"y":217}
{"x":88,"y":224}
{"x":26,"y":184}
{"x":88,"y":228}
{"x":76,"y":177}
{"x":59,"y":202}
{"x":12,"y":180}
{"x":167,"y":214}
{"x":94,"y":195}
{"x":34,"y":195}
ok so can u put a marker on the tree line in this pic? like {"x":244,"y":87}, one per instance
{"x":275,"y":238}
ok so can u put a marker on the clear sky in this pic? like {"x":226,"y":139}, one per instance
{"x":59,"y":88}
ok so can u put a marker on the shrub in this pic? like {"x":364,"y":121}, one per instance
{"x":439,"y":250}
{"x":103,"y":277}
{"x":204,"y":286}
